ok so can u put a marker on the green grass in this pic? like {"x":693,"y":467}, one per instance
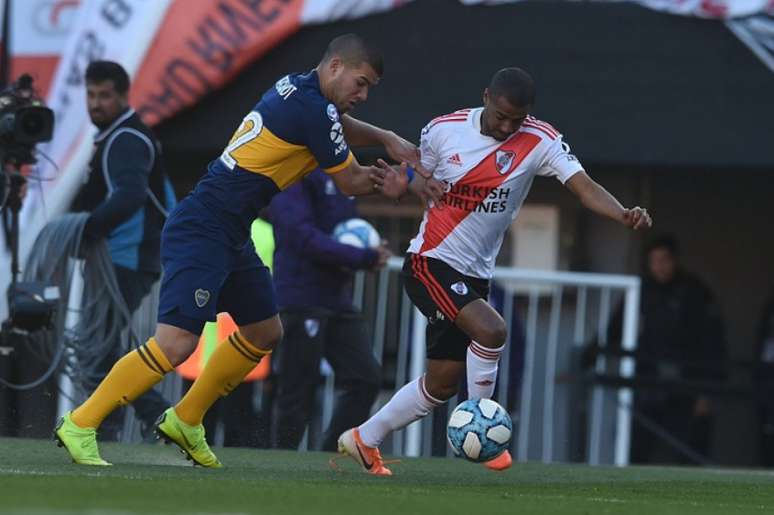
{"x":37,"y":478}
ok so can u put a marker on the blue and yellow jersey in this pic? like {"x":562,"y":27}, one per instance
{"x":290,"y":132}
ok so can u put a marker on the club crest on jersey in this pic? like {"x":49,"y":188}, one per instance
{"x":201,"y":297}
{"x":460,"y":288}
{"x":330,"y":187}
{"x":333,"y":114}
{"x":312,"y":327}
{"x":504,"y":160}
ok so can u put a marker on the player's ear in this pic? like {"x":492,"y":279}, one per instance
{"x":335,"y":64}
{"x":486,"y":96}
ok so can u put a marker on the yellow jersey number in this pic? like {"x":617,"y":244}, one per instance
{"x":248,"y":130}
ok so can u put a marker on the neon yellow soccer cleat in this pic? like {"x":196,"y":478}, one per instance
{"x":190,"y":439}
{"x":80,"y":442}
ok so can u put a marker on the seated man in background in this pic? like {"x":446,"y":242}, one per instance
{"x":681,"y":339}
{"x":313,"y":275}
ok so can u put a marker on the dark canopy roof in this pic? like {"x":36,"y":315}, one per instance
{"x":627,"y":86}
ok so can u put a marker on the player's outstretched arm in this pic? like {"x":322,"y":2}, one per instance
{"x":362,"y":134}
{"x":598,"y":199}
{"x":357,"y":180}
{"x":395,"y":182}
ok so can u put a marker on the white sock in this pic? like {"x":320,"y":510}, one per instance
{"x":410,"y":403}
{"x":481,"y":366}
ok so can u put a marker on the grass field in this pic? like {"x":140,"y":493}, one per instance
{"x":37,"y":478}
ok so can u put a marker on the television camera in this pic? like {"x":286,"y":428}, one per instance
{"x":24,"y":122}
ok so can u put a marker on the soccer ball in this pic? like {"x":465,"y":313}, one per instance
{"x":358,"y":233}
{"x":479,"y":430}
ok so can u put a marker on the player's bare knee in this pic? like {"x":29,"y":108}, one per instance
{"x":178,"y":351}
{"x":275,"y":337}
{"x":264,"y":335}
{"x":493,"y":335}
{"x":500,"y":334}
{"x":176,"y":344}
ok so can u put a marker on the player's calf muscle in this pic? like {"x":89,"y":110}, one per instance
{"x":176,"y":344}
{"x":442,"y":392}
{"x":443,"y":378}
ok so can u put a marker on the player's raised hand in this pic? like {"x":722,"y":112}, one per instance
{"x":394,"y":183}
{"x":637,"y":218}
{"x":401,"y":150}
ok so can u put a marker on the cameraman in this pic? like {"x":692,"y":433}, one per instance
{"x":128,"y":196}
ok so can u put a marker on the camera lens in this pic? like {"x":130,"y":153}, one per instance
{"x":31,"y":124}
{"x":34,"y":124}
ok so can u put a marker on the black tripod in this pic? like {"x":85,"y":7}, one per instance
{"x":15,"y":183}
{"x":13,"y":206}
{"x":28,"y":398}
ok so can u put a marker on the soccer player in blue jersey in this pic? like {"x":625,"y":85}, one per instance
{"x":209,"y":262}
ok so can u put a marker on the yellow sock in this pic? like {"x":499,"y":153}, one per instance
{"x":232,"y":360}
{"x":130,"y":377}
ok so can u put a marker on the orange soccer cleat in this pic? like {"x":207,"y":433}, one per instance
{"x":368,"y":457}
{"x":500,"y":463}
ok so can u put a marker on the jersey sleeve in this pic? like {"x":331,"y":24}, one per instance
{"x":428,"y":148}
{"x":326,"y":142}
{"x":559,"y":162}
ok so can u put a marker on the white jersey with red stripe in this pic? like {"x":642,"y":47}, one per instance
{"x":486,"y":183}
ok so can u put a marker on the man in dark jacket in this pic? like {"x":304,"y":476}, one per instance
{"x":681,"y":340}
{"x":313,"y":275}
{"x":128,"y":195}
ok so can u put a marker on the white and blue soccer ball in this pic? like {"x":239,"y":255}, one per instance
{"x":479,"y":430}
{"x":358,"y":233}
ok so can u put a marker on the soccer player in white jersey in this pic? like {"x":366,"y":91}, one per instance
{"x":487,"y":158}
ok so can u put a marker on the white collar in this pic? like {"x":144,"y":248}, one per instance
{"x":476,"y":118}
{"x":118,"y":121}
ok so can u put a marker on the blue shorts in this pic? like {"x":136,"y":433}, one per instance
{"x":204,"y":276}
